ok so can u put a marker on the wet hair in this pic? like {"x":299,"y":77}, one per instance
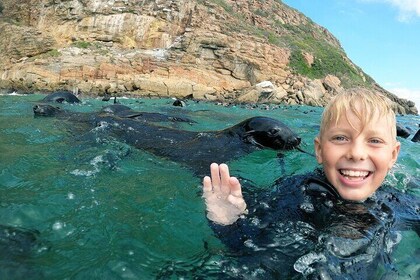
{"x":365,"y":105}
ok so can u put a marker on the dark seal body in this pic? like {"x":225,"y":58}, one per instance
{"x":123,"y":111}
{"x":60,"y":97}
{"x":416,"y":137}
{"x":402,"y":131}
{"x":47,"y":110}
{"x":198,"y":149}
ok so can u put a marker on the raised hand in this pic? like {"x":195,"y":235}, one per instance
{"x":223,"y":195}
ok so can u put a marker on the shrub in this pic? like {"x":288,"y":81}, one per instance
{"x":81,"y":44}
{"x":53,"y":53}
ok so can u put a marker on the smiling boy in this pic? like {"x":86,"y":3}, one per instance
{"x":330,"y":223}
{"x":357,"y":143}
{"x":356,"y":146}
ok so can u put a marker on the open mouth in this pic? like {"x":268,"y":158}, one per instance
{"x":353,"y":175}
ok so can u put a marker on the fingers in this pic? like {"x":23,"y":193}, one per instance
{"x":235,"y":196}
{"x":220,"y":180}
{"x":207,"y":186}
{"x":224,"y":178}
{"x":223,"y":195}
{"x":238,"y":202}
{"x":215,"y":176}
{"x":235,"y":187}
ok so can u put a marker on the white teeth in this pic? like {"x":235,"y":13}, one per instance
{"x":352,"y":173}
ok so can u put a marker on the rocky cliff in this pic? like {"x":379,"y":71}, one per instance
{"x":226,"y":50}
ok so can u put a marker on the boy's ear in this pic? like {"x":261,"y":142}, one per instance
{"x":395,"y":153}
{"x":318,"y":154}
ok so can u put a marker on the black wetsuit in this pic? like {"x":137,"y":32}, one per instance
{"x":301,"y":229}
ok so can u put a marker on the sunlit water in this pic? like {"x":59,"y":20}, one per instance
{"x":106,"y":210}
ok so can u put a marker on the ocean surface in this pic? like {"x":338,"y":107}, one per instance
{"x":102,"y":209}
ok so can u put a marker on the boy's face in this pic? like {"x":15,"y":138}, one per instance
{"x":356,"y":161}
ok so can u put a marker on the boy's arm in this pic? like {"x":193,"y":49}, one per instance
{"x":223,"y":196}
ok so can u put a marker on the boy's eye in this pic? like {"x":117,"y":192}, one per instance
{"x":339,"y":138}
{"x":375,"y":141}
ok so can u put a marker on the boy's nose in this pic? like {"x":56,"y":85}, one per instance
{"x":357,"y":152}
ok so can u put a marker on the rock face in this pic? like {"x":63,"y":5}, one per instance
{"x":232,"y":51}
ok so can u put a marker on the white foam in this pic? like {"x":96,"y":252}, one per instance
{"x":58,"y":225}
{"x":86,"y":173}
{"x":94,"y":162}
{"x":13,"y":94}
{"x":302,"y":265}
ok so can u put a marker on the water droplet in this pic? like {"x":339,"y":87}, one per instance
{"x":329,"y":203}
{"x":57,"y":226}
{"x":307,"y":207}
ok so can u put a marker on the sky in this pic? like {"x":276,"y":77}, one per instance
{"x":380,"y":36}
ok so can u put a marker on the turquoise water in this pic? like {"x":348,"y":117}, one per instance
{"x":105,"y":210}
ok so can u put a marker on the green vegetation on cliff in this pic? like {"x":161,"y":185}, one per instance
{"x":328,"y":59}
{"x":300,"y":38}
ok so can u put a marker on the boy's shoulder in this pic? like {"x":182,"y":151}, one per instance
{"x":316,"y":183}
{"x":313,"y":183}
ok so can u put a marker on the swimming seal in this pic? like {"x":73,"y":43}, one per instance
{"x":194,"y":149}
{"x":46,"y":110}
{"x":60,"y":97}
{"x":179,"y":103}
{"x":79,"y":122}
{"x":402,"y":131}
{"x":123,"y":111}
{"x":198,"y":149}
{"x":416,"y":137}
{"x":117,"y":110}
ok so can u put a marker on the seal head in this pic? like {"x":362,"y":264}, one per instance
{"x":267,"y":132}
{"x":46,"y":110}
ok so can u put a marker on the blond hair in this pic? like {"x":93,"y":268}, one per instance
{"x":365,"y":105}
